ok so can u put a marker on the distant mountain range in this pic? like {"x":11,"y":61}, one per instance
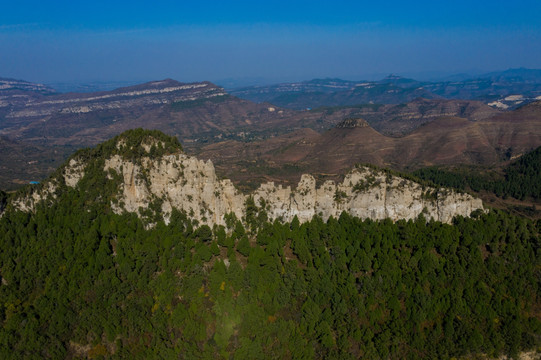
{"x":13,"y":87}
{"x":33,"y":116}
{"x":39,"y":127}
{"x":398,"y":120}
{"x":90,"y":86}
{"x":86,"y":118}
{"x":505,"y":90}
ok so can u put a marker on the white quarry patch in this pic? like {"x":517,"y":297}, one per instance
{"x":76,"y":110}
{"x":514,"y":97}
{"x":498,"y":104}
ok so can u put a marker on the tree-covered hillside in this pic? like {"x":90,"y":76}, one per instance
{"x":79,"y":281}
{"x":135,"y":143}
{"x":3,"y":200}
{"x":522,"y":178}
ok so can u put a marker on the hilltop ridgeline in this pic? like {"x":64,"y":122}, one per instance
{"x":146,"y":172}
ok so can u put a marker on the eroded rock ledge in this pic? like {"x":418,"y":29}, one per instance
{"x":188,"y":184}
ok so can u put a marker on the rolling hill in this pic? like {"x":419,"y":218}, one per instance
{"x":445,"y":141}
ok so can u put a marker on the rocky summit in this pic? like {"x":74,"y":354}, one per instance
{"x":146,"y":172}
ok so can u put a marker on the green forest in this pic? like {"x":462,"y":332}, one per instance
{"x":521,"y":179}
{"x":79,"y":281}
{"x":76,"y":276}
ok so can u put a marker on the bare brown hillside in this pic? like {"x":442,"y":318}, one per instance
{"x":444,"y":141}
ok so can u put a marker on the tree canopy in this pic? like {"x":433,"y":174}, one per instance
{"x":79,"y":280}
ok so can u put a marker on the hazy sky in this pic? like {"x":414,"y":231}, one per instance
{"x":50,"y":41}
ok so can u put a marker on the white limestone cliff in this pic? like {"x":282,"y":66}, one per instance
{"x":186,"y":183}
{"x":176,"y":181}
{"x":365,"y":193}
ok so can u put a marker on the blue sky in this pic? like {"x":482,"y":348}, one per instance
{"x":277,"y":41}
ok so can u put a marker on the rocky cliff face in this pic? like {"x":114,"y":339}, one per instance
{"x":175,"y":181}
{"x":147,"y":185}
{"x":365,"y":193}
{"x":188,"y":184}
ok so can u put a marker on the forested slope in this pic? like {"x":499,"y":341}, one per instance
{"x":521,"y":180}
{"x":78,"y":280}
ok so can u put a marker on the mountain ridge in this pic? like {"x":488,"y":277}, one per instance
{"x":492,"y":88}
{"x":147,"y":173}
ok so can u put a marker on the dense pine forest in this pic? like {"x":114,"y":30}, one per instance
{"x":521,"y":179}
{"x":77,"y":277}
{"x":78,"y":281}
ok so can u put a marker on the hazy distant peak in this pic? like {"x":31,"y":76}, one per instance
{"x":516,"y":75}
{"x":7,"y":84}
{"x":397,"y":80}
{"x":393,"y":77}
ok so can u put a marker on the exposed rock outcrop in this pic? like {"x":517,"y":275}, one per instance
{"x":176,"y":181}
{"x":29,"y":201}
{"x":188,"y":184}
{"x":74,"y":172}
{"x":365,"y":193}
